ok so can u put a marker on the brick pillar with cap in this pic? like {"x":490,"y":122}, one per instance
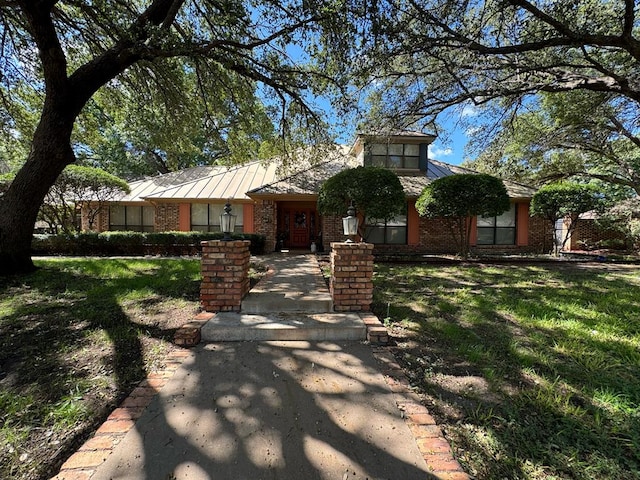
{"x":351,"y":283}
{"x":225,"y":275}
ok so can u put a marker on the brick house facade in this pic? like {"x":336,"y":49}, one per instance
{"x":281,"y":205}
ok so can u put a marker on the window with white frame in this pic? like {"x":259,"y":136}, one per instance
{"x":205,"y":217}
{"x":394,"y":155}
{"x":498,"y":230}
{"x":135,"y":218}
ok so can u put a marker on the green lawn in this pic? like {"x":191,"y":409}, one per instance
{"x":534,"y":371}
{"x":75,"y":337}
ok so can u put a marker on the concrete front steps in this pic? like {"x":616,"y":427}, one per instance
{"x":292,"y":303}
{"x":267,"y":302}
{"x":284,"y":326}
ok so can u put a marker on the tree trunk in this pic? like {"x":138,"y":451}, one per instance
{"x":50,"y":154}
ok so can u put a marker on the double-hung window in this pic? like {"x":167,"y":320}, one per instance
{"x":392,"y":231}
{"x":498,"y":230}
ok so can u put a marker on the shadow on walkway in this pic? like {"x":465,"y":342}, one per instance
{"x":291,"y":410}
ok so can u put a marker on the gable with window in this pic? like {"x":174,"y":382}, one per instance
{"x":205,"y":217}
{"x":400,"y":156}
{"x":497,"y":230}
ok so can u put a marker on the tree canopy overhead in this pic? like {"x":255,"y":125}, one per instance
{"x":574,"y":134}
{"x":58,"y":54}
{"x":460,"y":52}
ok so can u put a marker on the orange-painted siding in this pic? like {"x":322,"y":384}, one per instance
{"x":184,"y":218}
{"x":522,"y":227}
{"x":473,"y":236}
{"x":247,"y":212}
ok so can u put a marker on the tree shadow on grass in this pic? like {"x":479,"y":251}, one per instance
{"x":69,"y":353}
{"x":521,"y":395}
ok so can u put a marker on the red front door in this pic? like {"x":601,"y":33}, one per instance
{"x":301,"y":226}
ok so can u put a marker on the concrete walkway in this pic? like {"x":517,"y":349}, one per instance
{"x":292,"y":302}
{"x":294,"y":410}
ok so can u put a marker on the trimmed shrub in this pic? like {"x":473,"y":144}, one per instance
{"x":134,"y":243}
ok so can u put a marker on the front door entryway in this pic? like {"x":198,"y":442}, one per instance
{"x":297,"y":224}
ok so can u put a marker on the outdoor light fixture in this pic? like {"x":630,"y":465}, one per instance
{"x":227,"y":222}
{"x":350,"y":223}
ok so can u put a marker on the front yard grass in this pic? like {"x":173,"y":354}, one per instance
{"x":75,"y":337}
{"x":533,"y":371}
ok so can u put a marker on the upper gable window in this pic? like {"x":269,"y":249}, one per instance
{"x":395,"y":155}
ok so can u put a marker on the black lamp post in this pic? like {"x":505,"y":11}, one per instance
{"x":350,"y":223}
{"x":227,"y":222}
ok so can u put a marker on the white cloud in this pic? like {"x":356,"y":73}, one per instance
{"x":469,"y":110}
{"x":471,"y":131}
{"x":435,"y":151}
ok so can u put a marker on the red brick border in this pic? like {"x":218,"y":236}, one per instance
{"x":435,"y":449}
{"x":83,"y":464}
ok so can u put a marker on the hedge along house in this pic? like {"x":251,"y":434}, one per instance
{"x":281,"y":203}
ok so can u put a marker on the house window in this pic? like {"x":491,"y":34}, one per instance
{"x":395,"y":155}
{"x":135,"y":218}
{"x":499,"y":230}
{"x":393,"y":231}
{"x":205,"y":217}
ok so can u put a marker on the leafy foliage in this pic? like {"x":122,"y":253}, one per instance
{"x":565,"y":201}
{"x":457,"y":198}
{"x":151,"y":62}
{"x":434,"y":55}
{"x":624,"y":217}
{"x":576,"y":134}
{"x":79,"y":188}
{"x":376,"y":192}
{"x":134,"y":243}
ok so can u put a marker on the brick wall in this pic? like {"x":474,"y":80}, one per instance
{"x":332,"y":230}
{"x":351,"y":282}
{"x":225,"y":275}
{"x":589,"y":235}
{"x":167,"y":217}
{"x":265,"y":220}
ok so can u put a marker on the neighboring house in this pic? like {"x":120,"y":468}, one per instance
{"x":589,"y":235}
{"x":282,"y":203}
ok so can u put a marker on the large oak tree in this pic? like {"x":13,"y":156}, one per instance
{"x":437,"y":54}
{"x":494,"y":58}
{"x":68,"y":50}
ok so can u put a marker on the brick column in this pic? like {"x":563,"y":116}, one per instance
{"x":351,"y":282}
{"x":225,"y":275}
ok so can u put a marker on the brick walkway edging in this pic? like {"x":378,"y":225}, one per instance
{"x":435,"y":449}
{"x":83,"y":464}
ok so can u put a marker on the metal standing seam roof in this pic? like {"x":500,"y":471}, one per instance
{"x":140,"y":189}
{"x":231,"y":183}
{"x":240,"y":183}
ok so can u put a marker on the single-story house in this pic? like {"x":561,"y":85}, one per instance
{"x":281,"y":202}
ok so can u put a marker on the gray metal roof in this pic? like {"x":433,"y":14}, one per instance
{"x":140,"y":189}
{"x":301,"y":176}
{"x":228,"y":183}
